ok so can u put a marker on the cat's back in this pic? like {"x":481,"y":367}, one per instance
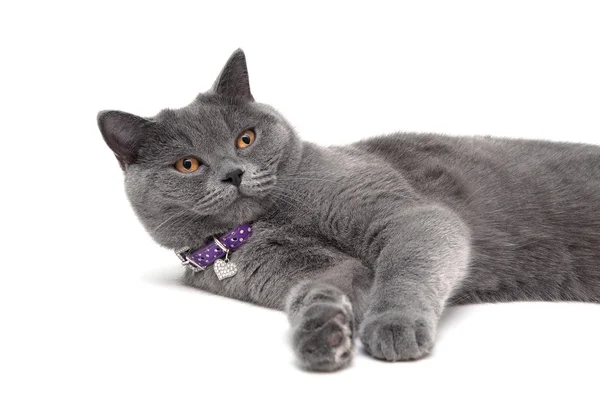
{"x":404,"y":149}
{"x":450,"y":166}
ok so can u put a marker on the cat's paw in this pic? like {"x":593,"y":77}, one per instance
{"x":396,"y":336}
{"x":322,"y":337}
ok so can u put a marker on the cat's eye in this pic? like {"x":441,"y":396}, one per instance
{"x":245,"y":139}
{"x":187,"y":164}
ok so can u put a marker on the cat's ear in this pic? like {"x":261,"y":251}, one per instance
{"x":233,"y":81}
{"x":123,"y":133}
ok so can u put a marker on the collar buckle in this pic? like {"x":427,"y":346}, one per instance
{"x":182,"y":254}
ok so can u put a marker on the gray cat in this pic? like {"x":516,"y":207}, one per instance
{"x":373,"y":239}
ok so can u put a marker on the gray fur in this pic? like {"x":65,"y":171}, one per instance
{"x":379,"y":235}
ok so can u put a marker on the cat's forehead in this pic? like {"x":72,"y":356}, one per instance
{"x":208,"y":117}
{"x":195,"y":117}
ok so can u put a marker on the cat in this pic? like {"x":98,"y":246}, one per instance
{"x":371,"y":240}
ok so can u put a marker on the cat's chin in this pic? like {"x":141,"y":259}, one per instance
{"x":244,"y":209}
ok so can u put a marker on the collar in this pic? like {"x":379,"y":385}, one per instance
{"x":200,"y":259}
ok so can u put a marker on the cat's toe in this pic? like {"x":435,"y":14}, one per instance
{"x":394,"y":336}
{"x":323,"y":340}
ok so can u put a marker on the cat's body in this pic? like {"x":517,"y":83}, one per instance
{"x":533,"y":208}
{"x":383,"y":233}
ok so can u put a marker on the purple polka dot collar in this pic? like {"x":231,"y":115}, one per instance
{"x":200,"y":259}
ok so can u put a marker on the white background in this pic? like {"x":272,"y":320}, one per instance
{"x":90,"y":307}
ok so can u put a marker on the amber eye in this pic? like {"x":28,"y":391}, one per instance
{"x":187,"y":164}
{"x":245,"y":139}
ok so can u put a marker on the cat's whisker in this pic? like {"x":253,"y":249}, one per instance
{"x":169,"y":219}
{"x":262,"y":174}
{"x":308,"y":178}
{"x":207,"y":198}
{"x":279,"y":194}
{"x":193,"y":219}
{"x":308,"y":174}
{"x":268,"y":179}
{"x":277,"y":199}
{"x":210,"y":203}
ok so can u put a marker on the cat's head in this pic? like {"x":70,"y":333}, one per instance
{"x":202,"y":169}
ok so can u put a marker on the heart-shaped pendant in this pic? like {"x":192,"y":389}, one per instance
{"x":225,"y":269}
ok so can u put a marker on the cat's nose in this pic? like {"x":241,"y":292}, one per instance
{"x":234,"y":177}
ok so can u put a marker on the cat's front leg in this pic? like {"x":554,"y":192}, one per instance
{"x":423,"y":259}
{"x":322,"y":322}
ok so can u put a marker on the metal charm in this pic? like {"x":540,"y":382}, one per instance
{"x":225,"y":269}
